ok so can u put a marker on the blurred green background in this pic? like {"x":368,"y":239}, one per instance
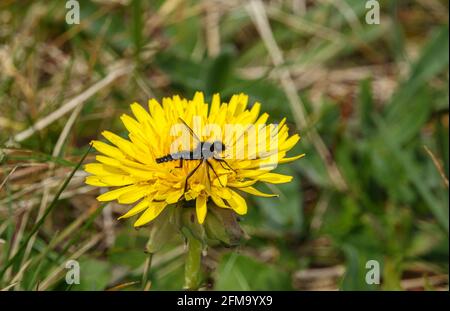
{"x":371,"y":103}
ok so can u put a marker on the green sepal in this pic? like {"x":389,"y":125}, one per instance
{"x":163,"y":229}
{"x":221,"y":224}
{"x":189,"y":221}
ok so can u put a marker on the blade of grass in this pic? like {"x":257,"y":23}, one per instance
{"x":34,"y":155}
{"x":44,"y":216}
{"x":440,"y":212}
{"x":52,"y":276}
{"x":438,"y":165}
{"x":10,"y":227}
{"x":258,"y":14}
{"x":145,"y":274}
{"x":88,"y":223}
{"x":136,"y":28}
{"x":91,"y":215}
{"x":40,"y":260}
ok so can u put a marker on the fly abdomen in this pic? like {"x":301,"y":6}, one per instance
{"x":165,"y":158}
{"x":184,"y":155}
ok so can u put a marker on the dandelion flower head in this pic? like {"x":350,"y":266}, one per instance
{"x":242,"y":149}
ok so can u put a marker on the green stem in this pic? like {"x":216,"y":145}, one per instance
{"x":148,"y":263}
{"x":193,"y":263}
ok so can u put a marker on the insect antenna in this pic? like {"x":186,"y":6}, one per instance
{"x":190,"y":130}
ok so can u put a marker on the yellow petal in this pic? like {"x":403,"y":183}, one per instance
{"x":95,"y":181}
{"x":174,"y":196}
{"x":250,"y":173}
{"x":139,"y":173}
{"x":108,"y":161}
{"x":242,"y":104}
{"x":138,"y":132}
{"x":96,"y":169}
{"x":223,"y":192}
{"x":117,"y":180}
{"x":218,"y":201}
{"x":237,"y":203}
{"x":108,"y":150}
{"x":200,"y":208}
{"x":287,"y":160}
{"x":275,"y":178}
{"x":215,"y":105}
{"x":262,"y":119}
{"x":221,"y":181}
{"x":198,"y":97}
{"x":114,"y":194}
{"x":232,"y":105}
{"x":133,"y":194}
{"x":123,"y":144}
{"x":140,"y":113}
{"x":156,"y":110}
{"x":102,"y":170}
{"x":254,"y":112}
{"x":242,"y":184}
{"x":136,"y":209}
{"x":288,"y":144}
{"x":256,"y":192}
{"x":131,"y":124}
{"x":221,"y":115}
{"x":145,"y":167}
{"x":154,"y":209}
{"x":161,"y":193}
{"x":139,"y":143}
{"x":271,"y":163}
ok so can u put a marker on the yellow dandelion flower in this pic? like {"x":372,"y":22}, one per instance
{"x":184,"y":150}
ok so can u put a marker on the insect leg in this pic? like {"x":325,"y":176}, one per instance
{"x":181,"y":163}
{"x":187,"y":178}
{"x":228,"y":165}
{"x":208,"y":182}
{"x":209,"y":164}
{"x":220,"y":162}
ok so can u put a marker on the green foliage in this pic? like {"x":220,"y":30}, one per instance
{"x":237,"y":272}
{"x":376,"y":95}
{"x":96,"y":275}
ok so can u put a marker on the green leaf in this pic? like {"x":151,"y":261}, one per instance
{"x":366,"y":106}
{"x":407,"y":124}
{"x":218,"y":72}
{"x":433,"y":60}
{"x":413,"y":173}
{"x":132,"y":258}
{"x":238,"y":272}
{"x":355,"y":274}
{"x":137,"y":26}
{"x":94,"y":275}
{"x":283,"y":213}
{"x":184,"y":73}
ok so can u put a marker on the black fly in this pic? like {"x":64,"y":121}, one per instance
{"x":204,"y":151}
